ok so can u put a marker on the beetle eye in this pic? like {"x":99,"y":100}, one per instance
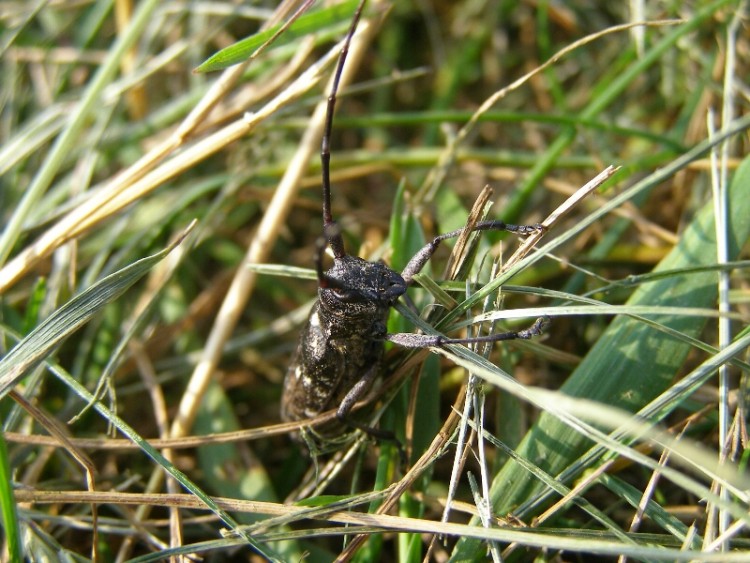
{"x":345,"y":294}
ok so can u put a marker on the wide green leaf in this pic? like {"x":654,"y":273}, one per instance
{"x":632,"y":363}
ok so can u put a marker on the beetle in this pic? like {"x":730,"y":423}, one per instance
{"x":340,"y":348}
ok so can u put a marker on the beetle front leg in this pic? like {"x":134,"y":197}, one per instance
{"x":350,"y":399}
{"x":418,"y":261}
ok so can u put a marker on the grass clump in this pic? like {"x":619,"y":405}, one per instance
{"x":158,"y":229}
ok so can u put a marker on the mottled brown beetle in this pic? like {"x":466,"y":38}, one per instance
{"x":340,"y":348}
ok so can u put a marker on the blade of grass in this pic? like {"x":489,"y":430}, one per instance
{"x":9,"y":512}
{"x":589,"y":417}
{"x":154,"y":454}
{"x":64,"y":143}
{"x":224,"y":465}
{"x":631,"y":363}
{"x":251,"y":46}
{"x":653,"y":179}
{"x":43,"y":340}
{"x":598,"y":104}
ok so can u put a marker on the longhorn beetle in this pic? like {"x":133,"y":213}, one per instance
{"x":340,"y":348}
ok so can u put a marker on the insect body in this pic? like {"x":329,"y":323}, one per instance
{"x":340,"y":348}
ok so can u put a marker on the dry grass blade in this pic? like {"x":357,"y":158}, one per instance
{"x":612,"y":422}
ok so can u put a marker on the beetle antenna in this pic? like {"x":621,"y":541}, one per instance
{"x":330,"y":231}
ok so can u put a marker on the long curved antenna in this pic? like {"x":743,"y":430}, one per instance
{"x":331,"y":233}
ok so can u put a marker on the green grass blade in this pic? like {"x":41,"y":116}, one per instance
{"x":43,"y":340}
{"x":248,"y":48}
{"x":156,"y":455}
{"x":90,"y":101}
{"x":8,"y":504}
{"x":224,"y":468}
{"x":660,"y":175}
{"x":598,"y":104}
{"x":631,"y":363}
